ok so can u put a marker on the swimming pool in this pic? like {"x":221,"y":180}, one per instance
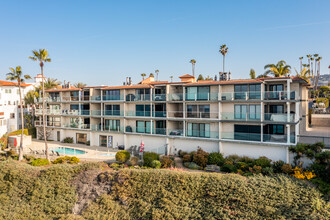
{"x":69,"y":151}
{"x":108,"y":155}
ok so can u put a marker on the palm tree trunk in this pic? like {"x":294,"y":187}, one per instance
{"x":193,"y":69}
{"x":20,"y":156}
{"x":300,"y":65}
{"x":317,"y":77}
{"x":44,"y":112}
{"x":223,"y":63}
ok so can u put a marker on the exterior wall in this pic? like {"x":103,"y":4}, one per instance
{"x":188,"y":145}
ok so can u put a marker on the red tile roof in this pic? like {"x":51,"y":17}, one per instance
{"x":63,"y":89}
{"x":138,"y":86}
{"x":186,"y":76}
{"x":7,"y":83}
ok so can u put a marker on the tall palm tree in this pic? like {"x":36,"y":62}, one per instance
{"x":311,"y":66}
{"x":318,"y":60}
{"x":193,"y":63}
{"x":79,"y":85}
{"x":301,"y":58}
{"x":252,"y":74}
{"x":151,"y":75}
{"x":279,"y":69}
{"x":315,"y":57}
{"x":29,"y":100}
{"x":304,"y":74}
{"x":171,"y":78}
{"x":223,"y":50}
{"x":143,"y":75}
{"x":156,"y":71}
{"x":16,"y":75}
{"x":309,"y":62}
{"x":41,"y":56}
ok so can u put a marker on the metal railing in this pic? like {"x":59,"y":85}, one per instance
{"x":240,"y":116}
{"x":77,"y":126}
{"x":175,"y":97}
{"x":201,"y":96}
{"x":279,"y":117}
{"x":113,"y":98}
{"x":280,"y":95}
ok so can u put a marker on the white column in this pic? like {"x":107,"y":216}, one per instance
{"x":288,"y":133}
{"x":288,"y":88}
{"x":287,"y":154}
{"x":151,"y":127}
{"x":262,"y":132}
{"x":288,"y":111}
{"x":262,"y":91}
{"x":184,"y":128}
{"x":262,"y":111}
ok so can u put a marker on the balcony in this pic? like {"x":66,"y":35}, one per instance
{"x":77,"y":126}
{"x":175,"y":97}
{"x":137,"y":97}
{"x":142,"y":130}
{"x":240,"y":96}
{"x":175,"y":114}
{"x":175,"y":132}
{"x":48,"y":111}
{"x":48,"y":99}
{"x":113,"y":98}
{"x":232,"y":116}
{"x":159,"y":97}
{"x":201,"y":96}
{"x":157,"y":114}
{"x":203,"y":115}
{"x":280,"y":95}
{"x":49,"y":124}
{"x":96,"y":98}
{"x":278,"y":117}
{"x":202,"y":134}
{"x":268,"y":138}
{"x":113,"y":113}
{"x":70,"y":99}
{"x":68,"y":112}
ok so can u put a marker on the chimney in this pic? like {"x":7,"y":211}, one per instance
{"x":229,"y":75}
{"x":130,"y":80}
{"x":215,"y":78}
{"x":225,"y":76}
{"x":64,"y":85}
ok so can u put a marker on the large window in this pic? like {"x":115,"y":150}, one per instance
{"x":251,"y":112}
{"x":111,"y":125}
{"x":198,"y":93}
{"x":255,"y":91}
{"x":247,"y":132}
{"x":240,"y":91}
{"x":240,"y":111}
{"x":143,"y":94}
{"x":276,"y":109}
{"x":112,"y":110}
{"x":274,"y":129}
{"x":143,"y":126}
{"x":198,"y":111}
{"x":113,"y":94}
{"x":142,"y":110}
{"x":254,"y":112}
{"x":198,"y":130}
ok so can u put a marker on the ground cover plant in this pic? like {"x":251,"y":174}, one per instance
{"x":95,"y":191}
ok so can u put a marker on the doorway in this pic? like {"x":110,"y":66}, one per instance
{"x":81,"y":138}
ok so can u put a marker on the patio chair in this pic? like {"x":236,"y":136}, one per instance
{"x":32,"y":151}
{"x":57,"y":154}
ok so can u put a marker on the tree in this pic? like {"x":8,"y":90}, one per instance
{"x":304,"y":74}
{"x":156,"y":71}
{"x":29,"y":100}
{"x":208,"y":78}
{"x":300,"y":58}
{"x":309,"y":62}
{"x":252,"y":74}
{"x":193,"y":62}
{"x":200,"y":77}
{"x":151,"y":75}
{"x":16,"y":75}
{"x":223,"y":50}
{"x":279,"y":69}
{"x":143,"y":75}
{"x":318,"y":61}
{"x":171,"y":78}
{"x":41,"y":56}
{"x":80,"y":85}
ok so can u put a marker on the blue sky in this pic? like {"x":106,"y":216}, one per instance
{"x":101,"y":42}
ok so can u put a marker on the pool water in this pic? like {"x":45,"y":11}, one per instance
{"x":69,"y":151}
{"x":108,"y":155}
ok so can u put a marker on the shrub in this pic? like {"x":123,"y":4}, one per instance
{"x":181,"y":153}
{"x":39,"y":162}
{"x":200,"y":158}
{"x":4,"y":141}
{"x":29,"y":158}
{"x":122,"y":156}
{"x":115,"y":166}
{"x":255,"y":169}
{"x":234,"y":158}
{"x":215,"y":158}
{"x":66,"y":159}
{"x":247,"y":160}
{"x":228,"y":168}
{"x":186,"y":158}
{"x":148,"y":157}
{"x":12,"y":153}
{"x":19,"y":132}
{"x":193,"y":166}
{"x":68,"y":140}
{"x":263,"y":162}
{"x":286,"y":168}
{"x":167,"y":161}
{"x":156,"y":164}
{"x":277,"y":166}
{"x":32,"y":132}
{"x":267,"y":171}
{"x":134,"y":161}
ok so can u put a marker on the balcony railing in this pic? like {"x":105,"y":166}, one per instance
{"x":113,"y":98}
{"x":138,"y":113}
{"x":137,"y":97}
{"x":202,"y":134}
{"x":175,"y":97}
{"x":240,"y":96}
{"x":240,"y":116}
{"x":280,"y":95}
{"x":175,"y":132}
{"x":48,"y":111}
{"x":204,"y":115}
{"x":277,"y":117}
{"x":159,"y":97}
{"x":201,"y":96}
{"x":175,"y":114}
{"x":113,"y":113}
{"x":142,"y":130}
{"x":49,"y":124}
{"x":275,"y":138}
{"x":77,"y":126}
{"x":48,"y":99}
{"x":96,"y":98}
{"x":70,"y":99}
{"x":75,"y":112}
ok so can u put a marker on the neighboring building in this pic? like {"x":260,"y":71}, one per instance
{"x":252,"y":117}
{"x":10,"y":118}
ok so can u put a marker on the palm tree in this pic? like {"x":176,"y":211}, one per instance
{"x":304,"y":73}
{"x":171,"y":78}
{"x":16,"y":75}
{"x":223,"y":50}
{"x":315,"y":57}
{"x":252,"y":74}
{"x":312,"y":59}
{"x":309,"y":62}
{"x":318,"y":60}
{"x":156,"y":71}
{"x":208,"y":78}
{"x":278,"y":70}
{"x":143,"y":75}
{"x":80,"y":85}
{"x":193,"y":62}
{"x":41,"y":56}
{"x":29,"y":100}
{"x":151,"y":75}
{"x":200,"y":77}
{"x":300,"y":58}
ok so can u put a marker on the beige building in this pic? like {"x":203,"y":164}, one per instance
{"x":252,"y":117}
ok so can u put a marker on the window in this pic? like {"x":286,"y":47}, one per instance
{"x":274,"y":129}
{"x":247,"y":132}
{"x":276,"y":109}
{"x":198,"y":93}
{"x":74,"y":95}
{"x":198,"y":130}
{"x":112,"y":109}
{"x":142,"y":110}
{"x":113,"y":94}
{"x":161,"y":127}
{"x":255,"y":91}
{"x":198,"y":111}
{"x":12,"y":115}
{"x":240,"y":111}
{"x":240,"y":91}
{"x":143,"y":127}
{"x":103,"y":141}
{"x":143,"y":94}
{"x":276,"y":87}
{"x":254,"y":112}
{"x":112,"y":125}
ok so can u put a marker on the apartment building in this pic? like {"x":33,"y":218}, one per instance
{"x":252,"y":117}
{"x":10,"y":118}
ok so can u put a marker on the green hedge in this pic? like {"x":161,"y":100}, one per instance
{"x":19,"y":132}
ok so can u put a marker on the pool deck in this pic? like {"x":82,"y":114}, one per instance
{"x":93,"y":153}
